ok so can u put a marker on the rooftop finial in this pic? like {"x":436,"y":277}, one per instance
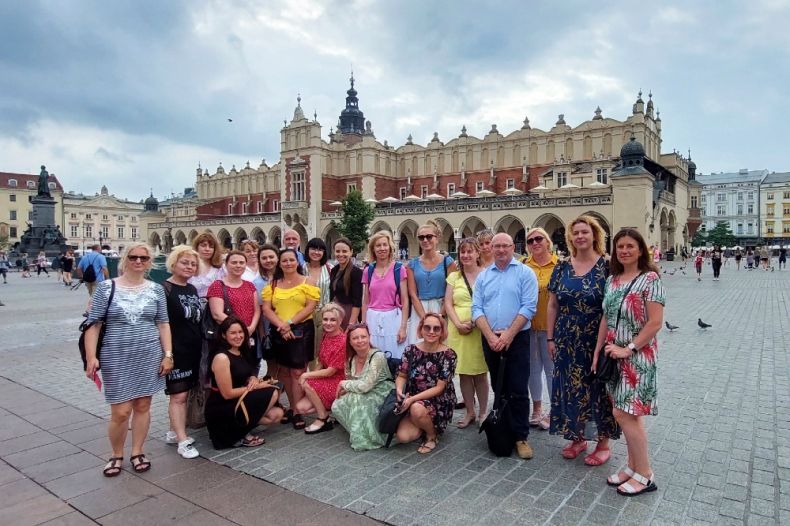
{"x":689,"y":154}
{"x":298,"y":100}
{"x":352,"y":77}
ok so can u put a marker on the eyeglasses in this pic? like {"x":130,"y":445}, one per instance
{"x":536,"y":239}
{"x":144,"y":259}
{"x":501,"y":247}
{"x":432,"y":328}
{"x":423,"y":237}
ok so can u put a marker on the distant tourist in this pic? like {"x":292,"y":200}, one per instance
{"x":738,"y":257}
{"x":5,"y":266}
{"x":67,"y":265}
{"x":698,"y":260}
{"x":92,"y":270}
{"x":782,"y":257}
{"x":42,"y":263}
{"x":765,"y":257}
{"x":715,"y":262}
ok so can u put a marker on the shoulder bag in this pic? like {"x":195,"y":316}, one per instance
{"x":608,"y":370}
{"x":84,"y":326}
{"x":499,"y":434}
{"x":389,"y":416}
{"x":209,"y":328}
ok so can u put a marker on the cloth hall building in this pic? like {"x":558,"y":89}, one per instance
{"x":508,"y":182}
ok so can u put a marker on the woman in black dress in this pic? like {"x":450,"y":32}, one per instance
{"x":239,"y":400}
{"x":345,"y":285}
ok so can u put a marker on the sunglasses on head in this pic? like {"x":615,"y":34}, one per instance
{"x":138,"y":258}
{"x":423,"y":237}
{"x":536,"y":239}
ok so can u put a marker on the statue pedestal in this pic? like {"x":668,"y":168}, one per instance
{"x":44,"y":233}
{"x":43,"y":211}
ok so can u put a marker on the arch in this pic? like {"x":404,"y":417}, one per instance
{"x":379,"y":226}
{"x":446,"y":237}
{"x":192,"y":235}
{"x":471,"y":226}
{"x":238,"y":236}
{"x":606,"y":228}
{"x":671,"y":230}
{"x":224,"y":238}
{"x":663,"y":224}
{"x":515,"y":228}
{"x":275,"y":236}
{"x":155,"y":241}
{"x":258,"y":235}
{"x":408,"y":237}
{"x":180,"y":238}
{"x":303,"y":239}
{"x":555,"y":227}
{"x":330,"y":235}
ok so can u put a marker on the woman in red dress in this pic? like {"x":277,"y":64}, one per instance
{"x":320,"y":386}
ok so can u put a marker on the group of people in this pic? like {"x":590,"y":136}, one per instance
{"x":337,"y":340}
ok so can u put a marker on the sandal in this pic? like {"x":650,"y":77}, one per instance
{"x":142,"y":465}
{"x":287,"y":417}
{"x":424,"y":448}
{"x":252,"y":441}
{"x":298,"y":421}
{"x":573,"y":449}
{"x":627,"y":490}
{"x":327,"y":425}
{"x":113,"y":467}
{"x":616,"y":479}
{"x":594,"y":459}
{"x":465,"y":421}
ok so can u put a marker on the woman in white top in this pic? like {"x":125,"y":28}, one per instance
{"x":250,"y":249}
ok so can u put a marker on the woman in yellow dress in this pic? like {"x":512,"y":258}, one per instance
{"x":463,"y":337}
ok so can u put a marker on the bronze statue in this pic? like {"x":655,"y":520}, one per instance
{"x":43,"y":183}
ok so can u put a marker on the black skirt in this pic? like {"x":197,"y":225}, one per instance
{"x":296,"y":353}
{"x":225,"y":428}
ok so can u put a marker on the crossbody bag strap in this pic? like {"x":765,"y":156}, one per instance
{"x":109,"y":301}
{"x":240,"y":404}
{"x":500,"y":380}
{"x":468,"y":287}
{"x":226,"y":306}
{"x":620,"y":308}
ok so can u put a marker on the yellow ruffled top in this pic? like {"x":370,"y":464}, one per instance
{"x":288,"y":302}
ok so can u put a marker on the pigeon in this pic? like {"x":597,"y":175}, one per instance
{"x":230,"y":120}
{"x":670,"y":327}
{"x":702,"y":324}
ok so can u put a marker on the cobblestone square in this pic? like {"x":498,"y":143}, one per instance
{"x":720,"y":445}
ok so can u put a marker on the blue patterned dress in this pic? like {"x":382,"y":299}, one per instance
{"x":575,"y":399}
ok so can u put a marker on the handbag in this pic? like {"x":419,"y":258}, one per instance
{"x":209,"y":328}
{"x":196,"y":407}
{"x":84,"y":326}
{"x":499,"y":434}
{"x":608,"y":368}
{"x":388,"y":419}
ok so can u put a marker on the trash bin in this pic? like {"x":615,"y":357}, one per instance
{"x":670,"y":256}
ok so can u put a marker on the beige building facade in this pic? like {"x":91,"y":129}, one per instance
{"x":16,"y":211}
{"x":612,"y":169}
{"x":775,"y":208}
{"x":102,"y":218}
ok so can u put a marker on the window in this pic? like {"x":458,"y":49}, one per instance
{"x":31,"y":184}
{"x":770,"y":196}
{"x":479,"y":186}
{"x":12,"y":231}
{"x":740,"y":209}
{"x":351,"y":187}
{"x":12,"y":215}
{"x":703,"y":198}
{"x":275,"y":205}
{"x":105,"y":217}
{"x":750,"y":228}
{"x":721,"y":210}
{"x":134,"y":232}
{"x":450,"y":189}
{"x":230,"y":209}
{"x":769,"y":227}
{"x":120,"y":218}
{"x":12,"y":198}
{"x":721,"y":197}
{"x":51,"y":186}
{"x":739,"y":230}
{"x":424,"y":191}
{"x":750,"y":196}
{"x":750,"y":208}
{"x":786,"y":195}
{"x":786,"y":210}
{"x":88,"y":216}
{"x":73,"y":215}
{"x":134,"y":219}
{"x":693,"y":201}
{"x":740,"y":196}
{"x":13,"y":183}
{"x":402,"y":192}
{"x":562,"y":179}
{"x":74,"y":230}
{"x":602,"y":175}
{"x":104,"y":232}
{"x":510,"y":183}
{"x":88,"y":230}
{"x":259,"y":207}
{"x":786,"y":228}
{"x":769,"y":209}
{"x":245,"y":207}
{"x":297,"y":186}
{"x":120,"y":232}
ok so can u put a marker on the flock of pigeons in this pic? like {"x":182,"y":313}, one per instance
{"x":702,"y":325}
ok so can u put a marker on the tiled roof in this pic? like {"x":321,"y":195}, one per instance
{"x":777,"y":178}
{"x":736,"y":177}
{"x":22,"y":180}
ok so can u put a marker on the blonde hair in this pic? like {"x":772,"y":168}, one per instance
{"x":250,"y":242}
{"x":599,"y":236}
{"x":474,"y":244}
{"x":433,"y":226}
{"x":543,"y":233}
{"x":372,"y":243}
{"x":334,"y":307}
{"x":128,"y":250}
{"x":177,"y":253}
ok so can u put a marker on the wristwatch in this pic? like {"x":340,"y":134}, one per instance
{"x":169,"y":356}
{"x":632,"y":347}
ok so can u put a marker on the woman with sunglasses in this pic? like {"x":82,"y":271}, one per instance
{"x":427,"y":274}
{"x":289,"y":303}
{"x":542,"y":262}
{"x":425,"y":385}
{"x":268,"y":256}
{"x":317,"y":268}
{"x":463,"y":336}
{"x":384,"y":302}
{"x":136,"y":352}
{"x":345,"y":286}
{"x":360,"y":395}
{"x":576,"y":291}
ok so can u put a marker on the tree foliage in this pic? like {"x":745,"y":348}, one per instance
{"x":357,"y":215}
{"x":699,"y":239}
{"x":720,"y":235}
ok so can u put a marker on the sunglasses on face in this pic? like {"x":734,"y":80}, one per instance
{"x":426,"y":236}
{"x":138,"y":258}
{"x":536,"y":239}
{"x":432,"y":328}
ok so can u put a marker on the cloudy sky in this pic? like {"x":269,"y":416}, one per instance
{"x":134,"y":94}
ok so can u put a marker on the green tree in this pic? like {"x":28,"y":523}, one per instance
{"x":721,"y":235}
{"x":699,"y":239}
{"x":357,"y":215}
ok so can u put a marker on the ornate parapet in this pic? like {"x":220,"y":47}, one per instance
{"x":236,"y":220}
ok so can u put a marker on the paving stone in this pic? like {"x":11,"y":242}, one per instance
{"x":761,"y":507}
{"x":731,"y":508}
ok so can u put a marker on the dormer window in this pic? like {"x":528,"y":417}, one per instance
{"x":13,"y":183}
{"x":31,"y":184}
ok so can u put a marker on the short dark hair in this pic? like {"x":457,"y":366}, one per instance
{"x":645,"y":262}
{"x":318,"y":243}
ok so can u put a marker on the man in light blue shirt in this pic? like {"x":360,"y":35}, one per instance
{"x":504,"y":301}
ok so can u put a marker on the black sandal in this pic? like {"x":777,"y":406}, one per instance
{"x":288,"y":417}
{"x":113,"y":467}
{"x":142,"y":465}
{"x":328,"y":425}
{"x":298,"y":421}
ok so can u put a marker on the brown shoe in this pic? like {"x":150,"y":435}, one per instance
{"x":524,"y":450}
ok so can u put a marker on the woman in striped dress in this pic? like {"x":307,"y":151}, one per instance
{"x":136,"y":351}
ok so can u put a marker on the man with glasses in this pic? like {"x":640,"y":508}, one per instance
{"x":504,"y":302}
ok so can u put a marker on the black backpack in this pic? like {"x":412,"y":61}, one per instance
{"x":89,"y":274}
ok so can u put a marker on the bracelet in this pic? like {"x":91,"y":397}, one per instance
{"x":168,"y":356}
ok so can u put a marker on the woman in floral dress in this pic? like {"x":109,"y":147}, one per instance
{"x":633,"y":342}
{"x":425,"y":385}
{"x":574,"y":314}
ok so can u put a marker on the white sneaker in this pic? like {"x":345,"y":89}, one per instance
{"x":172,"y":438}
{"x":186,"y":450}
